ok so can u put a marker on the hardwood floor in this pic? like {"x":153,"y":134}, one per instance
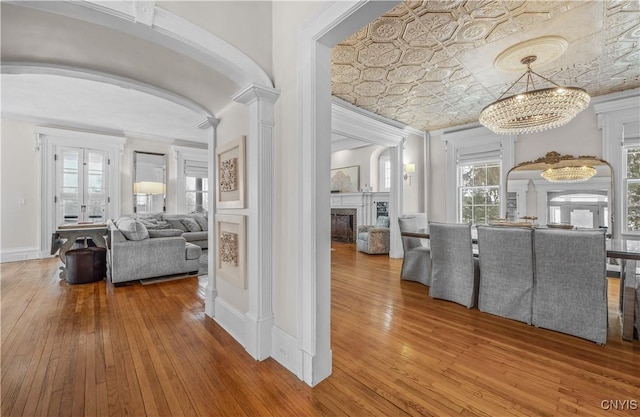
{"x":96,"y":350}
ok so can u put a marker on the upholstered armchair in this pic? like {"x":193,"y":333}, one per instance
{"x":374,"y":239}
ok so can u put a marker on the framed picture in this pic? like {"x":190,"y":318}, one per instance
{"x":345,"y":180}
{"x":230,"y":174}
{"x":231,"y":249}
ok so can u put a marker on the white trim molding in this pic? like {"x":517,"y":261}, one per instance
{"x":259,"y":318}
{"x":330,"y":26}
{"x":20,"y":254}
{"x":615,"y":112}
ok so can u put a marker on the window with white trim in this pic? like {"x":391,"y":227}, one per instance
{"x":476,"y":161}
{"x":632,"y":188}
{"x":192,"y":183}
{"x":385,"y":171}
{"x":479,"y":192}
{"x":196,"y":186}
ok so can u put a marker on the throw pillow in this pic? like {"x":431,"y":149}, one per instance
{"x":165,"y":233}
{"x":383,"y":221}
{"x":133,"y":229}
{"x":177,"y":224}
{"x":203,"y":222}
{"x":191,"y":224}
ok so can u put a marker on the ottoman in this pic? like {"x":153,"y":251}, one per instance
{"x":86,"y":265}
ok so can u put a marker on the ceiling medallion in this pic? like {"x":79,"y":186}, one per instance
{"x":535,"y":110}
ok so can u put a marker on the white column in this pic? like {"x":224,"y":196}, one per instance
{"x":211,"y":291}
{"x":395,"y":201}
{"x":259,"y":153}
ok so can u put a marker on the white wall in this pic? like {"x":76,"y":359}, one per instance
{"x":288,"y":17}
{"x":358,"y":157}
{"x":20,"y":172}
{"x":234,"y":122}
{"x":243,"y":24}
{"x":19,"y":192}
{"x":581,"y":136}
{"x":413,"y":192}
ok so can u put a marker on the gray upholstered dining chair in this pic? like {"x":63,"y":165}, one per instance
{"x":454,"y":270}
{"x":416,"y":263}
{"x":506,"y":272}
{"x":570,"y":289}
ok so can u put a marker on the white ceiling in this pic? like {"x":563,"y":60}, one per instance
{"x":118,"y":108}
{"x":176,"y":95}
{"x":430,"y":64}
{"x":427,"y":64}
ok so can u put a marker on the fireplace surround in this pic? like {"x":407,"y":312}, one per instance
{"x":344,"y":225}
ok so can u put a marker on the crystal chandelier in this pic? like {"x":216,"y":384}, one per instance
{"x":568,"y":174}
{"x":536,"y":110}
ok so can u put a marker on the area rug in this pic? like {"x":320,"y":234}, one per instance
{"x":201,"y":271}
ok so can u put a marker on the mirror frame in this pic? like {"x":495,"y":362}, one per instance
{"x":163,"y":180}
{"x":555,"y":160}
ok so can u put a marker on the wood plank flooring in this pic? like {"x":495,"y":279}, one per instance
{"x":100,"y":350}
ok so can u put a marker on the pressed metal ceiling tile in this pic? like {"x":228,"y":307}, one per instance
{"x":430,"y":64}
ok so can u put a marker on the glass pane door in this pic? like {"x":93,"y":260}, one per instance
{"x":96,"y":190}
{"x":70,"y":185}
{"x":81,"y":184}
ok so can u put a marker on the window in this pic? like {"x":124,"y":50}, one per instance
{"x":196,"y":186}
{"x":479,"y":192}
{"x":632,"y":188}
{"x":192,"y":183}
{"x":476,"y":159}
{"x":385,"y":171}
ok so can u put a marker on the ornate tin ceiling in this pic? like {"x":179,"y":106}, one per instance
{"x":430,"y":64}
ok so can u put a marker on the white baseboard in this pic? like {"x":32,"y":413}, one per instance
{"x":286,"y":352}
{"x":19,"y":254}
{"x":230,"y":319}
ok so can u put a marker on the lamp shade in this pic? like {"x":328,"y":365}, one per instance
{"x":410,"y":168}
{"x":148,"y":187}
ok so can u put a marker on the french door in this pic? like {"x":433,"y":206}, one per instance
{"x":81,"y":185}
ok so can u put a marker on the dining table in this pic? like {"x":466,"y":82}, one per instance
{"x":620,"y":250}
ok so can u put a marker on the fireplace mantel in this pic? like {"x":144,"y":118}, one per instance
{"x":364,"y":203}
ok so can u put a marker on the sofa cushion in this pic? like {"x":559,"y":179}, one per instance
{"x":203,"y":222}
{"x":191,"y":224}
{"x":153,"y":224}
{"x":195,"y":236}
{"x":149,"y":216}
{"x":164,"y":233}
{"x":363,"y":236}
{"x":382,"y":221}
{"x":192,"y":251}
{"x":177,"y":224}
{"x":132,"y":229}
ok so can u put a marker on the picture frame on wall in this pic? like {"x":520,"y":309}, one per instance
{"x":230,"y":174}
{"x":345,"y":179}
{"x":231,"y":249}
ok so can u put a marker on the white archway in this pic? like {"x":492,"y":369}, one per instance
{"x":145,"y":20}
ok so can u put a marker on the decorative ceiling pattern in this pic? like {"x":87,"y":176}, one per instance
{"x":430,"y":64}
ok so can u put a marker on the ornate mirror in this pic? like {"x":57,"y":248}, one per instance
{"x":562,"y":191}
{"x":149,"y":182}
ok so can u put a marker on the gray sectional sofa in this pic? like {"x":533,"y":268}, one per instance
{"x":155,"y":246}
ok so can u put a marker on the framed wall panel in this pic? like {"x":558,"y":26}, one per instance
{"x":231,"y":249}
{"x":230,"y":174}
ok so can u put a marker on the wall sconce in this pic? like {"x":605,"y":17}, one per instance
{"x":409,"y":169}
